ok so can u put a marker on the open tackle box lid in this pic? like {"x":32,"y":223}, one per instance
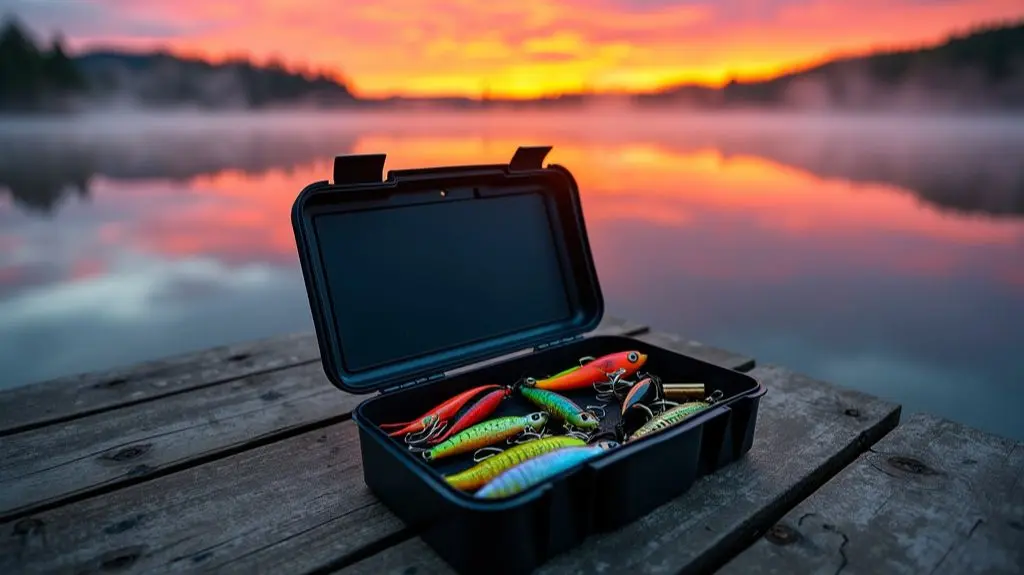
{"x":433,"y":269}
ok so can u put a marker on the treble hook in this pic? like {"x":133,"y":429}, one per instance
{"x":595,"y":408}
{"x":578,"y":435}
{"x":431,"y":432}
{"x":716,"y":396}
{"x":665,"y":404}
{"x":477,"y":458}
{"x":585,"y":359}
{"x":650,"y":414}
{"x":526,"y":436}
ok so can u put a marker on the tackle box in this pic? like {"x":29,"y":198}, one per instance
{"x":432,"y":281}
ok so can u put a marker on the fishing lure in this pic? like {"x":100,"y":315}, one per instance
{"x":641,"y":391}
{"x":476,"y":476}
{"x":560,"y":407}
{"x":612,"y":366}
{"x":484,"y":434}
{"x":669,"y":418}
{"x":540,"y":468}
{"x":436,"y":416}
{"x":474,"y":413}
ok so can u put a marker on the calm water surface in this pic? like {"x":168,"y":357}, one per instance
{"x":882,"y":254}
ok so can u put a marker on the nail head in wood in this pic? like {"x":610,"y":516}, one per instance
{"x":781,"y":534}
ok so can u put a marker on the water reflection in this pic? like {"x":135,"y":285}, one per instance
{"x":880,"y":254}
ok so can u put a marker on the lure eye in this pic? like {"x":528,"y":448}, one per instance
{"x":584,"y":417}
{"x":530,"y":381}
{"x":632,"y":357}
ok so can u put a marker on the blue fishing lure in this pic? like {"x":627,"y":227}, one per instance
{"x":536,"y":470}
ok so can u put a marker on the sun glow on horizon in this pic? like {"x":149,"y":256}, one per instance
{"x":527,"y":49}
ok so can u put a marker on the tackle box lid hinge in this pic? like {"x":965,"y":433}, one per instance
{"x":558,"y":342}
{"x":416,"y":381}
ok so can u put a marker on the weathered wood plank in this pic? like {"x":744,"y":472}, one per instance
{"x":63,"y":399}
{"x":71,"y":459}
{"x":48,"y":466}
{"x":698,"y":350}
{"x":49,"y":402}
{"x":931,"y":497}
{"x":806,"y":431}
{"x":232,"y":515}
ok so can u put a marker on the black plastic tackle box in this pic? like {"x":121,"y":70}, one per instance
{"x":434,"y":281}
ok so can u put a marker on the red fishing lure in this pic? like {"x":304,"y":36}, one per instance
{"x":435,"y":416}
{"x":473,"y":414}
{"x":600,"y":370}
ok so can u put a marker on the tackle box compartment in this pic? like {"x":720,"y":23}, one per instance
{"x":433,"y":281}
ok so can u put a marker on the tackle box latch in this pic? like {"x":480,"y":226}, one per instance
{"x":416,"y":381}
{"x":359,"y":169}
{"x":558,"y":342}
{"x":528,"y":158}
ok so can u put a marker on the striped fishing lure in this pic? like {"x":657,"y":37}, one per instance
{"x":476,"y":476}
{"x":538,"y":469}
{"x":669,"y":418}
{"x":560,"y":407}
{"x":484,"y":434}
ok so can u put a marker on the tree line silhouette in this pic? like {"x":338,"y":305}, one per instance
{"x":983,"y":68}
{"x":34,"y":78}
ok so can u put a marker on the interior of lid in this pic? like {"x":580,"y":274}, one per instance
{"x":412,"y":278}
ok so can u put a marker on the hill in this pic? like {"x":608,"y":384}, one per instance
{"x":33,"y":79}
{"x":980,"y":69}
{"x":983,"y":69}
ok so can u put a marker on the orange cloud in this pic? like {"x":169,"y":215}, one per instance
{"x":526,"y":48}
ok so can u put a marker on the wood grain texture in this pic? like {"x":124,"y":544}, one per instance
{"x":806,"y":431}
{"x":49,"y":402}
{"x":698,"y":350}
{"x":932,"y":497}
{"x":240,"y":514}
{"x":70,"y":461}
{"x":37,"y":405}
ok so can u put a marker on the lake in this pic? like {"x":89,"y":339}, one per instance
{"x":881,"y":253}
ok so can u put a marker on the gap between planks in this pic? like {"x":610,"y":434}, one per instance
{"x":933,"y":496}
{"x":46,"y":403}
{"x":74,"y":460}
{"x":300,"y":504}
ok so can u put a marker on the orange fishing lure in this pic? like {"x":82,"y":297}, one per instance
{"x":600,"y":370}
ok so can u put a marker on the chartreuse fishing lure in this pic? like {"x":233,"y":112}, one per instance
{"x":540,"y":468}
{"x":669,"y":418}
{"x":591,"y":371}
{"x":484,"y":434}
{"x":560,"y":407}
{"x":488,"y":469}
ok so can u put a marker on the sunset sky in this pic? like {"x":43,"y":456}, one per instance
{"x":522,"y":48}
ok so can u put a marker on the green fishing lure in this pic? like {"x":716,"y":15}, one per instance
{"x":476,"y":476}
{"x":561,"y":407}
{"x":669,"y":418}
{"x":539,"y":469}
{"x":484,"y":434}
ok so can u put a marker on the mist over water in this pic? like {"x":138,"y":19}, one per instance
{"x":879,"y":252}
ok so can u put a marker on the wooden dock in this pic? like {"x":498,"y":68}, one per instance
{"x":243,"y":459}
